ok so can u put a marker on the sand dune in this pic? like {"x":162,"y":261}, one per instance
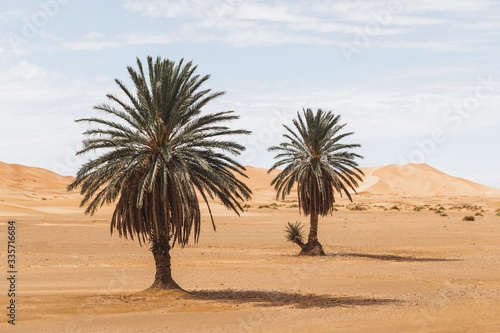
{"x":419,"y":180}
{"x":395,"y":180}
{"x":25,"y":177}
{"x":28,"y":190}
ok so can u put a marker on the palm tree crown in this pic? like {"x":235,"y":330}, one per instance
{"x":316,"y":160}
{"x":158,"y":153}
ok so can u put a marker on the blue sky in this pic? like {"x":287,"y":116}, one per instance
{"x":417,"y":81}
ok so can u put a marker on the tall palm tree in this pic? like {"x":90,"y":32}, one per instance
{"x":315,"y":160}
{"x":158,"y":155}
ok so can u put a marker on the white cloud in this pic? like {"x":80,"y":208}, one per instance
{"x":96,"y":41}
{"x":12,"y":15}
{"x":37,"y":111}
{"x":255,"y":22}
{"x":93,"y":35}
{"x":374,"y":112}
{"x":463,"y":6}
{"x":433,"y":45}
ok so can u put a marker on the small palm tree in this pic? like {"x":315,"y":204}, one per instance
{"x":315,"y":160}
{"x":158,"y":155}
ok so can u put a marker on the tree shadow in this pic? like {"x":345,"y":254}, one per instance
{"x":277,"y":298}
{"x":390,"y":257}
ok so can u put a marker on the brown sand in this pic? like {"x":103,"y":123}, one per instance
{"x":387,"y":270}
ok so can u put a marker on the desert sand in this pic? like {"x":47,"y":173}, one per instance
{"x":401,"y":259}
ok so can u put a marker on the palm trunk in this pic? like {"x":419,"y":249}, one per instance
{"x":163,"y":276}
{"x":313,"y":232}
{"x":313,"y":247}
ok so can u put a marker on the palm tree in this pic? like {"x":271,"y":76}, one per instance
{"x":314,"y":158}
{"x":158,"y":155}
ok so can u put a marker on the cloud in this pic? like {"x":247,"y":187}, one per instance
{"x":447,"y":6}
{"x":38,"y":109}
{"x":95,"y":41}
{"x":374,"y":112}
{"x":254,"y":22}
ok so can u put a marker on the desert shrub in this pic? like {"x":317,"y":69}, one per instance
{"x":471,"y":207}
{"x":274,"y":205}
{"x":395,"y":207}
{"x":357,"y":207}
{"x":469,"y":218}
{"x":417,"y":208}
{"x":44,"y":198}
{"x":498,"y":214}
{"x":293,"y":206}
{"x":443,"y":214}
{"x":247,"y":206}
{"x":478,"y":214}
{"x":294,"y":232}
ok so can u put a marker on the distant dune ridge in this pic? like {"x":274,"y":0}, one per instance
{"x":407,"y":180}
{"x":21,"y":176}
{"x":419,"y":180}
{"x":396,"y":180}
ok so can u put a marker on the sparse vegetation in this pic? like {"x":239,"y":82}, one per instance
{"x":271,"y":206}
{"x":246,"y":206}
{"x":274,"y":205}
{"x":293,"y":206}
{"x":418,"y":208}
{"x":498,"y":214}
{"x":294,"y":232}
{"x":478,"y":214}
{"x":468,"y":207}
{"x":441,"y":211}
{"x":469,"y":218}
{"x":395,"y":207}
{"x":357,"y":207}
{"x":44,"y":198}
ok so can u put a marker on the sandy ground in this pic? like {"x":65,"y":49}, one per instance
{"x":387,"y":270}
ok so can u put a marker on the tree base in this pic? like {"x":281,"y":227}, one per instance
{"x":312,"y":248}
{"x":163,"y":277}
{"x":164,"y":285}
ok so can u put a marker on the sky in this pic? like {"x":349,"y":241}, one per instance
{"x":416,"y":81}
